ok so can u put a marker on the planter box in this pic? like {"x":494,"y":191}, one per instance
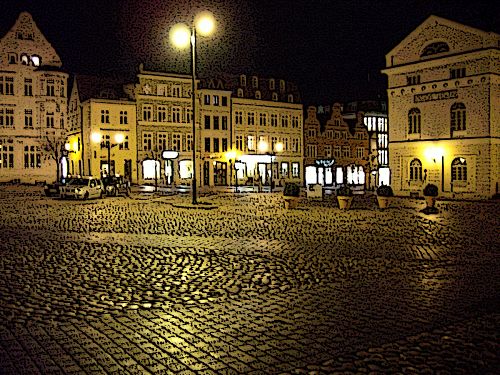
{"x":430,"y":201}
{"x":383,"y":202}
{"x":291,"y":202}
{"x":344,"y":202}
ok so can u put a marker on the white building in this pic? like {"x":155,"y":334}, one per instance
{"x":444,"y":110}
{"x":33,"y":105}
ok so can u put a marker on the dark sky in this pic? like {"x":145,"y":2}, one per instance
{"x":333,"y":50}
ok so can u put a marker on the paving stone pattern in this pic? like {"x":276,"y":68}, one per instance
{"x":238,"y":284}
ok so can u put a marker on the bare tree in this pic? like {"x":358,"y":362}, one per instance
{"x":52,"y":145}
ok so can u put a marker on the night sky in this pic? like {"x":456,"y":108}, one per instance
{"x":333,"y":50}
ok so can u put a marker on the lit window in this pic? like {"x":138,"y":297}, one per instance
{"x":295,"y":169}
{"x":185,"y":169}
{"x":35,"y":60}
{"x":150,"y":169}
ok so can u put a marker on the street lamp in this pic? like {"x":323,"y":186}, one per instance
{"x":119,"y":138}
{"x":278,"y":147}
{"x":180,"y":36}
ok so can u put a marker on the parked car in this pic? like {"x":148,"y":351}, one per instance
{"x":82,"y":188}
{"x":53,"y":189}
{"x":115,"y":185}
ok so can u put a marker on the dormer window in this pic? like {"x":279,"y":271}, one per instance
{"x":271,"y":84}
{"x":255,"y":82}
{"x":257,"y":94}
{"x":290,"y":98}
{"x":282,"y":85}
{"x":36,"y":60}
{"x":243,"y":80}
{"x":275,"y":97}
{"x":240,"y":93}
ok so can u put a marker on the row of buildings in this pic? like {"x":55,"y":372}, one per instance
{"x":441,"y":127}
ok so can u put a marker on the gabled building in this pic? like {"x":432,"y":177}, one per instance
{"x":335,"y":153}
{"x":102,"y":128}
{"x":375,"y":120}
{"x":33,"y":106}
{"x":444,"y":100}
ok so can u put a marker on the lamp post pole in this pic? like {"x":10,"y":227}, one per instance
{"x":180,"y":36}
{"x":108,"y":143}
{"x":236,"y":176}
{"x":271,"y":179}
{"x":193,"y":93}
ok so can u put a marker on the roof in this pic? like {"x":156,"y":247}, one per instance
{"x":100,"y":87}
{"x":231,"y":82}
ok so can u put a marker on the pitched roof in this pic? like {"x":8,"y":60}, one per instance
{"x":100,"y":87}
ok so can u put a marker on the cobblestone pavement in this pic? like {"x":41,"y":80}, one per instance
{"x":241,"y":285}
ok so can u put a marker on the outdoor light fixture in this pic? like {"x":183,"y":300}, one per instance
{"x":263,"y":147}
{"x":180,"y":36}
{"x":97,"y":138}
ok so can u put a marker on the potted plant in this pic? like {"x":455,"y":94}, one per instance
{"x":430,"y":194}
{"x":345,"y":197}
{"x":384,"y":195}
{"x":291,"y":195}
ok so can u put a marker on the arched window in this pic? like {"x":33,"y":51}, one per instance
{"x":290,"y":98}
{"x":240,"y":93}
{"x":414,"y":121}
{"x":257,"y":94}
{"x":275,"y":97}
{"x":36,"y":60}
{"x":434,"y":48}
{"x":459,"y":170}
{"x":415,"y":170}
{"x":458,"y":117}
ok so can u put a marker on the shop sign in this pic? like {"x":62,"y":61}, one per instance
{"x":324,"y":162}
{"x":169,"y":154}
{"x":432,"y":96}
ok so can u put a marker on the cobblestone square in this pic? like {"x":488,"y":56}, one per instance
{"x":150,"y":284}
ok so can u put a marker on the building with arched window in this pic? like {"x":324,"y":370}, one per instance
{"x":33,"y":106}
{"x":444,"y":98}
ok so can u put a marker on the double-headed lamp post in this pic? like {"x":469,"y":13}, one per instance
{"x":263,"y":147}
{"x":180,"y":36}
{"x":97,"y":138}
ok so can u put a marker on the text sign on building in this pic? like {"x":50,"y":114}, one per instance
{"x":441,"y":95}
{"x":324,"y":162}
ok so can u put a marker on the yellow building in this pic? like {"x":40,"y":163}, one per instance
{"x":33,"y":106}
{"x":102,"y":135}
{"x":444,"y":100}
{"x":267,"y":119}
